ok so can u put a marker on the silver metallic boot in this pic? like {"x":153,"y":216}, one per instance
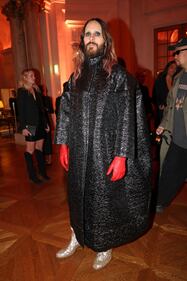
{"x":102,"y":259}
{"x":71,"y":248}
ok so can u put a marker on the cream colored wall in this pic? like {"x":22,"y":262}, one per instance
{"x":146,"y":15}
{"x":131,"y":23}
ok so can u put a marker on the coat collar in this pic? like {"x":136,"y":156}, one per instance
{"x":176,"y":82}
{"x":93,"y":61}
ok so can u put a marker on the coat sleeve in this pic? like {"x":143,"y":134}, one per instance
{"x":125,"y":138}
{"x":62,"y":126}
{"x":143,"y":150}
{"x":167,"y":110}
{"x":21,"y":108}
{"x":168,"y":115}
{"x":132,"y":131}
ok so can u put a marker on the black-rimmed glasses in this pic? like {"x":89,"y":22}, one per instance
{"x":178,"y":52}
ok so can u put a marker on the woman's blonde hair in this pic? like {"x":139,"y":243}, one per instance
{"x":109,"y":55}
{"x":22,"y":82}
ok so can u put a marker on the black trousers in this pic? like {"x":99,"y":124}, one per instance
{"x":174,"y":173}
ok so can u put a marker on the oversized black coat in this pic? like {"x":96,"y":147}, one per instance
{"x":100,"y":118}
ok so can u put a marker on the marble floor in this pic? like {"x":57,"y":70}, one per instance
{"x":34,"y":225}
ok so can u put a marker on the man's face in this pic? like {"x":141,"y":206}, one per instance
{"x":93,"y":39}
{"x":180,"y":56}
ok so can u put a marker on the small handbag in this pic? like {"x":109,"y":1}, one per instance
{"x":31,"y":129}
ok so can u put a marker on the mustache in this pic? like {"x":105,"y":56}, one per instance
{"x":91,"y":43}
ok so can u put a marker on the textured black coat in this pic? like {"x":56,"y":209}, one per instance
{"x":100,"y":118}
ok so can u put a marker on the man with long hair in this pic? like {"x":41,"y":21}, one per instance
{"x":104,"y":147}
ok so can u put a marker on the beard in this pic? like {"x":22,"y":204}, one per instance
{"x":92,"y":50}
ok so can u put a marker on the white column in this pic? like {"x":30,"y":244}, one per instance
{"x":53,"y":46}
{"x":18,"y":46}
{"x":33,"y":36}
{"x":61,"y":37}
{"x":47,"y":66}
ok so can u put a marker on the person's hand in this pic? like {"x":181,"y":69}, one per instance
{"x":161,"y":107}
{"x":26,"y":133}
{"x":117,"y":168}
{"x":159,"y":130}
{"x":47,"y":129}
{"x":64,"y":156}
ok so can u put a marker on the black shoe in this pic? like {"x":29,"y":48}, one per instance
{"x":36,"y":180}
{"x":159,"y":209}
{"x":41,"y":164}
{"x":30,"y":168}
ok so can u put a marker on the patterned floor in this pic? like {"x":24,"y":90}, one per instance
{"x":34,"y":224}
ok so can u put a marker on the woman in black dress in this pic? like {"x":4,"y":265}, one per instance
{"x":33,"y":123}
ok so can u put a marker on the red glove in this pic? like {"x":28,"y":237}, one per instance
{"x":64,"y":156}
{"x":118,"y":166}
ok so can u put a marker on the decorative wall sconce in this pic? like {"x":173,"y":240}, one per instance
{"x":74,"y":23}
{"x":1,"y":107}
{"x":56,"y":69}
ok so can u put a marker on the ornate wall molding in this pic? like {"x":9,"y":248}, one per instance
{"x":46,"y":6}
{"x":57,"y":1}
{"x":16,"y":8}
{"x":74,"y":23}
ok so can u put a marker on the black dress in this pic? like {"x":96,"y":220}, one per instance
{"x":31,"y":112}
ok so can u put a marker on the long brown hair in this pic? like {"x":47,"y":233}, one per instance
{"x":109,"y":58}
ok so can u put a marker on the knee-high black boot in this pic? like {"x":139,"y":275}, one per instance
{"x":30,"y":168}
{"x":41,"y":164}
